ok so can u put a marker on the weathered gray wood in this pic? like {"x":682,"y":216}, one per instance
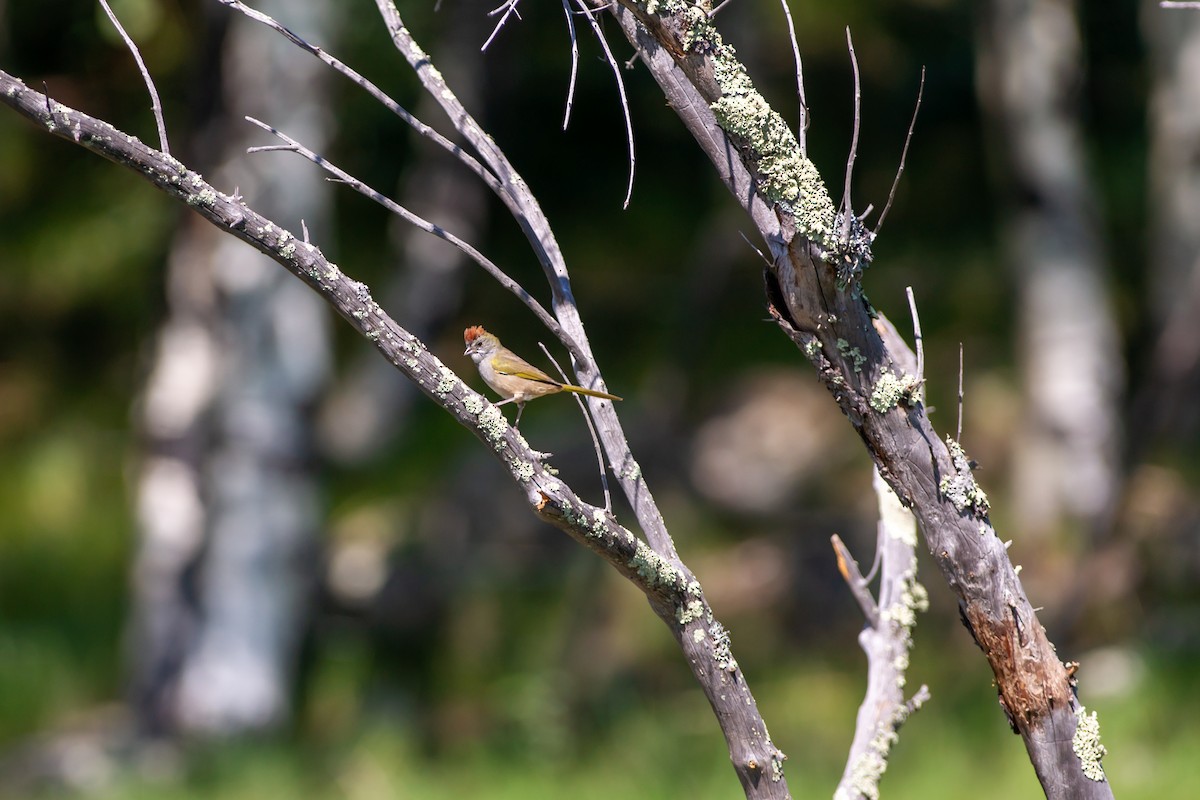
{"x":816,"y":297}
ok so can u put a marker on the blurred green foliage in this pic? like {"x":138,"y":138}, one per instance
{"x":672,"y":750}
{"x":82,"y":246}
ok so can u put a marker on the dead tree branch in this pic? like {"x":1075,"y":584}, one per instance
{"x":887,"y":641}
{"x":816,"y":299}
{"x":672,"y":591}
{"x":155,"y":103}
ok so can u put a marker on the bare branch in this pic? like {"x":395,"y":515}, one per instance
{"x":918,"y":339}
{"x":382,"y":97}
{"x":566,"y":5}
{"x":903,"y":155}
{"x":670,"y":589}
{"x":816,"y":299}
{"x":591,"y":429}
{"x":958,"y":430}
{"x":847,"y":204}
{"x":719,"y":8}
{"x":155,"y":103}
{"x":802,"y":124}
{"x":612,"y":62}
{"x":509,"y":7}
{"x":887,"y":641}
{"x":498,"y":274}
{"x":528,"y":213}
{"x":854,"y":579}
{"x":674,"y":594}
{"x":753,"y":247}
{"x":1191,"y":4}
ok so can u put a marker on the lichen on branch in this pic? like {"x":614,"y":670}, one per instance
{"x":785,"y":175}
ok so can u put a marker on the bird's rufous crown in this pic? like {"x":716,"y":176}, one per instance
{"x":472,"y":333}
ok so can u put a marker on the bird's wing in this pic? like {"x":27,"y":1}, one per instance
{"x":511,"y":364}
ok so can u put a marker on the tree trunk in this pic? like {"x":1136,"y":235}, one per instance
{"x":228,"y":508}
{"x":1030,"y":76}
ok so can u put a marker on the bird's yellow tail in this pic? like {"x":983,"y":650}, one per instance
{"x":567,"y":387}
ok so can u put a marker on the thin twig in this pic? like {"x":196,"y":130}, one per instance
{"x":612,"y":62}
{"x":848,"y":568}
{"x":527,"y":212}
{"x":566,"y":5}
{"x":155,"y":103}
{"x":510,"y":188}
{"x":903,"y":156}
{"x":391,"y":205}
{"x":1171,"y":4}
{"x":753,"y":247}
{"x":877,"y":561}
{"x":587,"y":417}
{"x":912,"y":307}
{"x":802,"y":125}
{"x":919,"y":698}
{"x":847,"y":206}
{"x":387,"y":102}
{"x":509,"y":7}
{"x":719,"y":8}
{"x":958,"y":432}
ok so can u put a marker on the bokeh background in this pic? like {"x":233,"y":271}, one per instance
{"x":240,"y":558}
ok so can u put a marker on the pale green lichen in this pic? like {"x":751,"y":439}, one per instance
{"x":446,"y":381}
{"x":654,"y":569}
{"x":722,"y":653}
{"x":812,"y":347}
{"x":785,"y":175}
{"x":698,"y":635}
{"x":689,"y":613}
{"x":777,"y":759}
{"x":1086,"y":744}
{"x":633,"y":471}
{"x":494,"y":426}
{"x":890,"y":389}
{"x":332,"y":273}
{"x":592,"y":527}
{"x":206,"y":198}
{"x":913,"y":599}
{"x":473,"y":404}
{"x":853,"y":353}
{"x":523,"y":470}
{"x":869,"y":766}
{"x":961,"y":488}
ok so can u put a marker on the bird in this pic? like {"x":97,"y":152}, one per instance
{"x":512,"y":377}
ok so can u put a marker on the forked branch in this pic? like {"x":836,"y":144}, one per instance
{"x":815,"y":295}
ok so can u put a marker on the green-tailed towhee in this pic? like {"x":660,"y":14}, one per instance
{"x":512,"y":377}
